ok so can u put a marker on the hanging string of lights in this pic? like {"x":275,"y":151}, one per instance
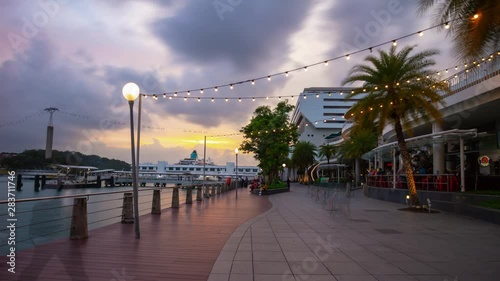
{"x":24,"y":119}
{"x":186,"y":94}
{"x":465,"y":68}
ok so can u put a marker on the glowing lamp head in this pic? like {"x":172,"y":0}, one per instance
{"x":408,"y":197}
{"x":130,"y":91}
{"x":284,"y":165}
{"x":236,"y":150}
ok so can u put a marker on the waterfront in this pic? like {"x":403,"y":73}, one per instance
{"x":42,"y":221}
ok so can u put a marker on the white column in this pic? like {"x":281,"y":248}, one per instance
{"x":438,"y":164}
{"x":394,"y":168}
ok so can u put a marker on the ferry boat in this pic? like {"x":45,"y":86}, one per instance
{"x":194,"y":166}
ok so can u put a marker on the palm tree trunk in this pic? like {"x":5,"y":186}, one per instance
{"x":406,"y":162}
{"x":356,"y":170}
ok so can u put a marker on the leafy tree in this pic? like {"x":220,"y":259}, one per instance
{"x":473,"y":36}
{"x":358,"y":142}
{"x":269,"y":136}
{"x":400,"y":87}
{"x":304,"y":154}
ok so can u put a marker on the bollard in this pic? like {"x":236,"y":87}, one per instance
{"x":218,"y":189}
{"x":112,"y":181}
{"x":19,"y":182}
{"x":98,"y":183}
{"x":213,"y":189}
{"x":44,"y":180}
{"x":37,"y":183}
{"x":128,"y":208}
{"x":175,"y":197}
{"x":79,"y":228}
{"x":198,"y":194}
{"x":156,"y":205}
{"x":189,"y":195}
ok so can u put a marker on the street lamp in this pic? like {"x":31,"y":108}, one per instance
{"x":236,"y":151}
{"x":283,"y":172}
{"x":131,"y":91}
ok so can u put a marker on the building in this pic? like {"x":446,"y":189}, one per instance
{"x":195,"y":169}
{"x":319,"y":113}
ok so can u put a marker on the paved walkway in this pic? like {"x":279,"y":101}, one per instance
{"x":363,"y":240}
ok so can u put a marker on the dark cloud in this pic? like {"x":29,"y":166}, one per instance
{"x":248,"y":35}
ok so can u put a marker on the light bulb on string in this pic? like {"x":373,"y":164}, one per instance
{"x":268,"y":78}
{"x":201,"y":91}
{"x":227,"y":99}
{"x":175,"y":94}
{"x":326,"y":63}
{"x":199,"y":99}
{"x":305,"y":96}
{"x":239,"y":99}
{"x":394,"y":43}
{"x":305,"y":68}
{"x":164,"y":95}
{"x":317,"y":95}
{"x":216,"y":89}
{"x":253,"y":99}
{"x":189,"y":93}
{"x":286,"y":74}
{"x":420,"y":33}
{"x":169,"y":98}
{"x":212,"y":100}
{"x":185,"y":99}
{"x":253,"y":82}
{"x":348,"y":57}
{"x":231,"y":86}
{"x":447,"y":25}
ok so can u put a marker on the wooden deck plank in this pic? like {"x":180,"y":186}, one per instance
{"x":180,"y":244}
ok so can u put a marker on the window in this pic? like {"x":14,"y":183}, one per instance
{"x":170,"y":168}
{"x":177,"y":168}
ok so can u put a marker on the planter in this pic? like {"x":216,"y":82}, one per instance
{"x":271,"y":191}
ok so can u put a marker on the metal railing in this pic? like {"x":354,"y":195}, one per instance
{"x":429,"y":182}
{"x":333,"y":199}
{"x":44,"y":219}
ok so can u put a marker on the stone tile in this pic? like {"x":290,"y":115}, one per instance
{"x":273,"y":277}
{"x":287,"y":247}
{"x":416,"y":268}
{"x":363,"y":257}
{"x":271,"y":267}
{"x":290,"y":234}
{"x":245,"y":247}
{"x":435,"y":278}
{"x":268,"y":256}
{"x":380,"y":268}
{"x":308,"y":267}
{"x":218,"y":277}
{"x":393,"y":277}
{"x":332,"y":257}
{"x":300,"y":256}
{"x":347,"y":268}
{"x":290,"y":240}
{"x":266,"y":248}
{"x":243,"y":256}
{"x":242,"y":267}
{"x":355,"y":277}
{"x":230,"y":247}
{"x":265,"y":241}
{"x":226,"y":256}
{"x":395,"y":257}
{"x":241,"y":277}
{"x":222,"y":267}
{"x":315,"y":277}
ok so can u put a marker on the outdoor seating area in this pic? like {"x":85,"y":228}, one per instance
{"x":429,"y":182}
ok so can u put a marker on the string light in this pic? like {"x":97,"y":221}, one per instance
{"x":305,"y":68}
{"x":253,"y":82}
{"x":201,"y":91}
{"x":348,"y":57}
{"x":231,"y":86}
{"x":189,"y":93}
{"x":394,"y":43}
{"x":420,"y":33}
{"x":326,"y":63}
{"x":447,"y":25}
{"x":476,"y":16}
{"x":286,"y":74}
{"x":268,"y":78}
{"x":216,"y":89}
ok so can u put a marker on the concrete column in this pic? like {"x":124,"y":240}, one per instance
{"x":156,"y":205}
{"x":49,"y":141}
{"x":37,"y":183}
{"x":438,"y":163}
{"x":198,"y":194}
{"x":189,"y":195}
{"x":213,"y":189}
{"x":79,"y":227}
{"x":128,"y":208}
{"x":175,"y":197}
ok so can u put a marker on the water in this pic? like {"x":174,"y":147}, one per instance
{"x":39,"y":222}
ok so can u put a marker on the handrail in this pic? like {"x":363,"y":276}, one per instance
{"x":80,"y":195}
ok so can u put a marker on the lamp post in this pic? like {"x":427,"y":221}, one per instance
{"x":283,"y":172}
{"x":131,"y":91}
{"x":236,"y":151}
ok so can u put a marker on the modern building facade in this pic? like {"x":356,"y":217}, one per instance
{"x":319,"y":113}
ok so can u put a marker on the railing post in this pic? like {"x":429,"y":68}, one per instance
{"x":189,"y":195}
{"x":127,"y":209}
{"x":218,"y":188}
{"x":175,"y":197}
{"x":213,"y":189}
{"x":198,"y":194}
{"x":79,"y":228}
{"x":156,"y":205}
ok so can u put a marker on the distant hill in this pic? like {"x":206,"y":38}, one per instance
{"x":35,"y":159}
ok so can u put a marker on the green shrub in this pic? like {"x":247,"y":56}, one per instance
{"x":276,"y":185}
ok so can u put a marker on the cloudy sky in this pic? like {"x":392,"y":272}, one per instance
{"x":77,"y":55}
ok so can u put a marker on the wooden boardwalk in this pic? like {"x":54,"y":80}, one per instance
{"x":180,"y":244}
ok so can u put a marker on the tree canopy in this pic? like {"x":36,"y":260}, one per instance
{"x":327,"y":151}
{"x":269,"y":136}
{"x":304,"y":155}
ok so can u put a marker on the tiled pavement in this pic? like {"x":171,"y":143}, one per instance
{"x":363,"y":240}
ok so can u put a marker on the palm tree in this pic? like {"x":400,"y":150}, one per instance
{"x":327,"y":151}
{"x":474,"y":25}
{"x":358,"y":143}
{"x":303,"y":156}
{"x":399,"y":88}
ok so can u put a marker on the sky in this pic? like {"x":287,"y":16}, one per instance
{"x":77,"y":55}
